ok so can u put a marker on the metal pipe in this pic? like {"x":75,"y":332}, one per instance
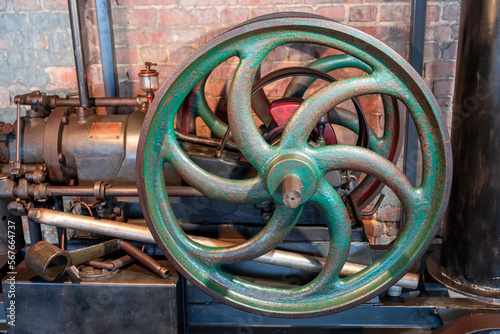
{"x":142,"y":234}
{"x":17,"y":163}
{"x":114,"y":191}
{"x":106,"y":43}
{"x":145,"y":259}
{"x":115,"y":264}
{"x":103,"y":102}
{"x":470,"y":254}
{"x":78,"y":49}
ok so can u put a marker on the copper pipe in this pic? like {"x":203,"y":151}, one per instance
{"x":145,"y":259}
{"x":113,"y":191}
{"x":103,"y":102}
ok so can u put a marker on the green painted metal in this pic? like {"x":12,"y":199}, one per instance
{"x":387,"y":145}
{"x":423,"y":206}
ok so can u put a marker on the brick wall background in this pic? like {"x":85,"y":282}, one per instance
{"x":36,"y":48}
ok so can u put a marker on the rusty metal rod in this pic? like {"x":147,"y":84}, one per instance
{"x":17,"y":163}
{"x":142,"y":234}
{"x":103,"y":102}
{"x":113,"y":191}
{"x":145,"y":259}
{"x":112,"y":265}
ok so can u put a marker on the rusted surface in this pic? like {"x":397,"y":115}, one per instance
{"x":327,"y":293}
{"x":471,"y":324}
{"x":105,"y":130}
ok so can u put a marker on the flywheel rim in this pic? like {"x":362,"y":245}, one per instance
{"x":204,"y":272}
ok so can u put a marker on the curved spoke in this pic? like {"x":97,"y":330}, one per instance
{"x":299,"y":85}
{"x":319,"y":103}
{"x":222,"y":189}
{"x":245,"y":132}
{"x":339,"y":229}
{"x":280,"y":225}
{"x":338,"y":157}
{"x":201,"y":109}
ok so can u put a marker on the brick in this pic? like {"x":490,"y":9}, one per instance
{"x":388,"y":214}
{"x":4,"y":97}
{"x":261,"y":11}
{"x":379,"y":32}
{"x":443,"y":87}
{"x":3,"y":4}
{"x":296,"y":9}
{"x":444,"y":103}
{"x":442,"y":33}
{"x":55,"y":5}
{"x":146,"y":2}
{"x":126,"y":55}
{"x":60,"y":40}
{"x":183,"y":3}
{"x":455,"y":31}
{"x":154,"y":54}
{"x":94,"y":73}
{"x":278,"y":54}
{"x":130,"y":37}
{"x":47,"y":22}
{"x":450,"y":50}
{"x":143,"y":17}
{"x":18,"y":60}
{"x":234,"y":15}
{"x":62,"y":77}
{"x":433,"y":13}
{"x":12,"y":22}
{"x":184,"y":36}
{"x":363,"y":13}
{"x":48,"y":58}
{"x":431,"y":51}
{"x":223,"y":71}
{"x":315,"y":2}
{"x":451,"y":12}
{"x":120,"y":16}
{"x":429,"y":33}
{"x":31,"y":5}
{"x":394,"y":13}
{"x":268,"y":2}
{"x":336,"y":13}
{"x":203,"y":16}
{"x":172,"y":17}
{"x":300,"y":52}
{"x":178,"y":55}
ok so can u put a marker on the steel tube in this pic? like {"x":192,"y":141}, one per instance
{"x":470,"y":255}
{"x":145,"y":259}
{"x":114,"y":191}
{"x":78,"y":49}
{"x":142,"y":234}
{"x":18,"y":137}
{"x":102,"y":102}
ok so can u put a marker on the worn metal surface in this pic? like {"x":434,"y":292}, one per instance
{"x":471,"y":324}
{"x":141,"y":233}
{"x":106,"y":46}
{"x":145,"y":259}
{"x":127,"y":302}
{"x":424,"y":206}
{"x":78,"y":32}
{"x":470,"y":254}
{"x":387,"y":146}
{"x":51,"y":262}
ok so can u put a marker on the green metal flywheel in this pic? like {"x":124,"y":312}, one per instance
{"x":390,"y":75}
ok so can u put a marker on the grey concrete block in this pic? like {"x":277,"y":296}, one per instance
{"x":12,"y":22}
{"x":49,"y":21}
{"x":60,"y":41}
{"x":48,"y":58}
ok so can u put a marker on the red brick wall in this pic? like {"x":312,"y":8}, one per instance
{"x":36,"y":49}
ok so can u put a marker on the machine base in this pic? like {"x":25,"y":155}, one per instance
{"x":132,"y":301}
